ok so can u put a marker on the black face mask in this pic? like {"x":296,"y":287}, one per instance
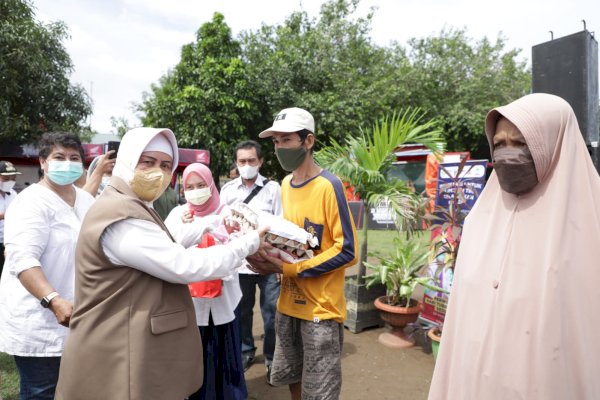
{"x":515,"y":169}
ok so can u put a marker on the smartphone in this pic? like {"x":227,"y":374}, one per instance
{"x":113,"y":146}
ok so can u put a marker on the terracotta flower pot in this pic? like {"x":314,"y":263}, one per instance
{"x":398,"y":317}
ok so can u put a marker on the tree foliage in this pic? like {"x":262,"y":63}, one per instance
{"x":329,"y":66}
{"x":459,"y":80}
{"x":35,"y":92}
{"x":225,"y":90}
{"x":206,"y":99}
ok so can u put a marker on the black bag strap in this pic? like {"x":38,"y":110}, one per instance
{"x":255,"y":191}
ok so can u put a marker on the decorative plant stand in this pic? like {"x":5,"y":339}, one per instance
{"x":397,"y":317}
{"x":361,"y":312}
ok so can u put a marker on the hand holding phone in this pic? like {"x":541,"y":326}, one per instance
{"x":113,"y":146}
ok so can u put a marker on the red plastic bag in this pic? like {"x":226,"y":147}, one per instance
{"x":206,"y":289}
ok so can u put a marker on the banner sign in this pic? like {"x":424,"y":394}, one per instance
{"x":472,"y":180}
{"x":380,"y":217}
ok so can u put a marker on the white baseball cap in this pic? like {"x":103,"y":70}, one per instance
{"x":290,"y":120}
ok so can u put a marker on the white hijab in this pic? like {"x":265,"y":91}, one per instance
{"x":523,"y":319}
{"x":132,"y":146}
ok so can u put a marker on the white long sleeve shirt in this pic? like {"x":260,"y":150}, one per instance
{"x":41,"y":230}
{"x":223,"y":307}
{"x":141,"y":245}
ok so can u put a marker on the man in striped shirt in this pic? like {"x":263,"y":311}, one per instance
{"x":311,"y":306}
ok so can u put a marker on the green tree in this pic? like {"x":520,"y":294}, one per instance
{"x":224,"y":90}
{"x":459,"y":80}
{"x":35,"y":92}
{"x":206,"y":99}
{"x":363,"y":161}
{"x":327,"y":65}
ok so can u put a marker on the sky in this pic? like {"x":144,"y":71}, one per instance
{"x":119,"y":48}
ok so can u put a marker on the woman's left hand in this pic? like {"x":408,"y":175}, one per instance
{"x":62,"y":309}
{"x":187,"y":217}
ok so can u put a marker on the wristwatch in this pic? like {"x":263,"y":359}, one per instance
{"x":47,"y":299}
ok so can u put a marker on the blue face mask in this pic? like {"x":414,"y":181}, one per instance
{"x":64,"y":172}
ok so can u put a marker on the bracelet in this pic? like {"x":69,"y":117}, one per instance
{"x":45,"y":302}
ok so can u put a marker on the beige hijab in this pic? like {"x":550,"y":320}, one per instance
{"x":523,"y":319}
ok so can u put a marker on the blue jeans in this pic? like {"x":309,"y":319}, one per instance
{"x":269,"y":293}
{"x":38,"y":376}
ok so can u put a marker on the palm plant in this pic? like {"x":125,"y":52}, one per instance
{"x":364,"y":160}
{"x":401,"y":273}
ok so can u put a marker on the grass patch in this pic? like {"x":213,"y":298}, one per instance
{"x":381,"y":242}
{"x":9,"y":378}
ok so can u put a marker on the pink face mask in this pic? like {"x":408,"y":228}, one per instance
{"x":515,"y":169}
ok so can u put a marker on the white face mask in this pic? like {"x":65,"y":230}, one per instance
{"x":198,"y":196}
{"x":7,"y":186}
{"x":248,"y":171}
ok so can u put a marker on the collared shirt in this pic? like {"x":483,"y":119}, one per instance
{"x":267,"y":200}
{"x":222,"y":308}
{"x":5,"y":199}
{"x":41,"y":230}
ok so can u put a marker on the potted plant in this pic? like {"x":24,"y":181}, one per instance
{"x":400,"y":274}
{"x":435,"y":334}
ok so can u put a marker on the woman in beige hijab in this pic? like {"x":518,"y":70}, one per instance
{"x":523,"y":318}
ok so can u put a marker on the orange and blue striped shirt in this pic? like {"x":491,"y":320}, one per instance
{"x":314,"y":289}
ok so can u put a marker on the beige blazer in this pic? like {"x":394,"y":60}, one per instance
{"x":132,"y":336}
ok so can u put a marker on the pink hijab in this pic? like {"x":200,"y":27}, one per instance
{"x":212,"y":204}
{"x":523,"y":319}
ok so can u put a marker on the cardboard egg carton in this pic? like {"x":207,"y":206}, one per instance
{"x":292,"y":242}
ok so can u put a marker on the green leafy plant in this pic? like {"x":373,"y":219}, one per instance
{"x":364,"y":160}
{"x":401,"y":273}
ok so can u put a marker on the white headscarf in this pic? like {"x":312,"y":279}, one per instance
{"x":522,"y":319}
{"x":132,"y":146}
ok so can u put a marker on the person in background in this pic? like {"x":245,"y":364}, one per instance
{"x":311,"y":307}
{"x":215,"y":316}
{"x":99,"y":173}
{"x":8,"y":178}
{"x":520,"y":322}
{"x":260,"y":193}
{"x":233,"y":171}
{"x":166,"y":202}
{"x":36,"y":289}
{"x":133,"y":331}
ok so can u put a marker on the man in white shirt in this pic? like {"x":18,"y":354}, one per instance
{"x":261,"y":194}
{"x":8,"y":176}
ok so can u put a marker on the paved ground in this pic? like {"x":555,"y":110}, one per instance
{"x":370,"y":370}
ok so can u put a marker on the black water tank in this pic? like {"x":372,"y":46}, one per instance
{"x":568,"y":67}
